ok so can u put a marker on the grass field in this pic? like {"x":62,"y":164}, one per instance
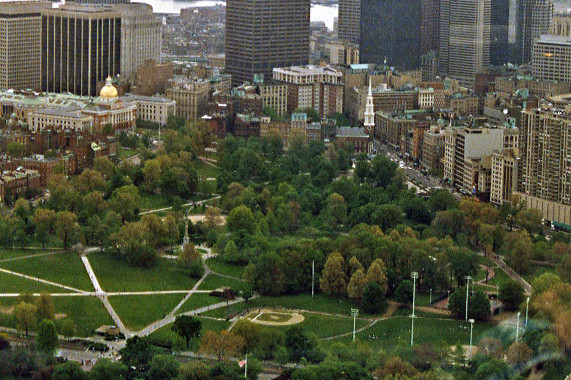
{"x":204,"y":170}
{"x":151,"y":201}
{"x":88,"y":313}
{"x":389,"y":333}
{"x":165,"y":334}
{"x":213,"y":281}
{"x":219,"y":266}
{"x":115,"y":275}
{"x":64,"y":268}
{"x":10,"y":283}
{"x":197,"y":301}
{"x":136,"y":312}
{"x":423,"y":299}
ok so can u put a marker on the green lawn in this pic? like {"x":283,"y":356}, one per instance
{"x":197,"y":301}
{"x":115,"y":275}
{"x":151,"y":201}
{"x":10,"y":283}
{"x":165,"y":334}
{"x":63,"y":268}
{"x":423,"y":299}
{"x":88,"y":313}
{"x":123,"y":153}
{"x":136,"y":312}
{"x":220,"y":266}
{"x":204,"y":170}
{"x":389,"y":333}
{"x":213,"y":281}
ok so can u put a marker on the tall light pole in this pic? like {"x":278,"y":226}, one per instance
{"x":471,"y":331}
{"x":354,"y":313}
{"x":312,"y":277}
{"x":430,"y":299}
{"x":468,"y":278}
{"x":517,"y":327}
{"x":414,"y":276}
{"x":526,"y":310}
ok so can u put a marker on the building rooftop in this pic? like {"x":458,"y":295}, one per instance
{"x":559,"y":40}
{"x":351,"y":132}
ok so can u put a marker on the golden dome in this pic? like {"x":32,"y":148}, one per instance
{"x":108,"y":91}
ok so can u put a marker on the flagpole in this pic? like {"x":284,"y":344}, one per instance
{"x":246,"y":367}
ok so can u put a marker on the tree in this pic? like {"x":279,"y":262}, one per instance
{"x":195,"y":370}
{"x":357,"y":285}
{"x":333,"y":278}
{"x":518,"y":354}
{"x":518,"y":248}
{"x":44,"y":307}
{"x":105,"y":369}
{"x":69,"y":370}
{"x":442,"y":200}
{"x":66,"y":227}
{"x":241,"y":218}
{"x":201,"y":136}
{"x":491,"y":347}
{"x":125,"y":202}
{"x":187,"y":327}
{"x":403,"y":293}
{"x":478,"y":304}
{"x":25,"y":315}
{"x":377,"y":272}
{"x":67,"y":328}
{"x":163,"y":367}
{"x":221,"y":344}
{"x":188,"y":255}
{"x":512,"y":294}
{"x":544,"y":282}
{"x":15,"y":149}
{"x":43,"y":221}
{"x":336,"y":210}
{"x":297,"y":343}
{"x":387,"y":216}
{"x":46,"y":336}
{"x":354,"y":266}
{"x":138,"y":352}
{"x":395,"y":368}
{"x":374,"y":301}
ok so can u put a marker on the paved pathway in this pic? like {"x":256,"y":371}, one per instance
{"x":31,"y":256}
{"x":510,"y":272}
{"x":184,"y":205}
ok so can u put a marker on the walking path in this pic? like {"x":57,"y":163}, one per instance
{"x":31,"y":256}
{"x":184,"y":205}
{"x":510,"y":272}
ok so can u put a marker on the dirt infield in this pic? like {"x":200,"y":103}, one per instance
{"x":271,"y":317}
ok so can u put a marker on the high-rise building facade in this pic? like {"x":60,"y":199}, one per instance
{"x":561,"y":25}
{"x":263,"y":34}
{"x":552,"y":58}
{"x":140,"y":37}
{"x":81,"y":44}
{"x":544,"y":179}
{"x":390,"y":30}
{"x":537,"y":15}
{"x":464,"y":38}
{"x":349,"y":21}
{"x":20,"y":42}
{"x":430,"y":25}
{"x":505,"y":31}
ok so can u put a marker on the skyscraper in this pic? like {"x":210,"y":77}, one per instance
{"x":20,"y":40}
{"x":81,"y":44}
{"x":464,"y":38}
{"x":263,"y":34}
{"x":430,"y":25}
{"x":545,"y":171}
{"x":537,"y":15}
{"x":349,"y":20}
{"x":505,"y":31}
{"x":390,"y":29}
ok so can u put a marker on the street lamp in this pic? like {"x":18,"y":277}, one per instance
{"x":471,"y":331}
{"x":430,"y":299}
{"x":468,"y":278}
{"x":517,"y":327}
{"x":414,"y":276}
{"x":354,"y":313}
{"x":526,"y":310}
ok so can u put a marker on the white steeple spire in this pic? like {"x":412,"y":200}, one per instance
{"x":370,"y":111}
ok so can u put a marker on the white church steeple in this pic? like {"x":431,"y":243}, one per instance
{"x":369,"y":112}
